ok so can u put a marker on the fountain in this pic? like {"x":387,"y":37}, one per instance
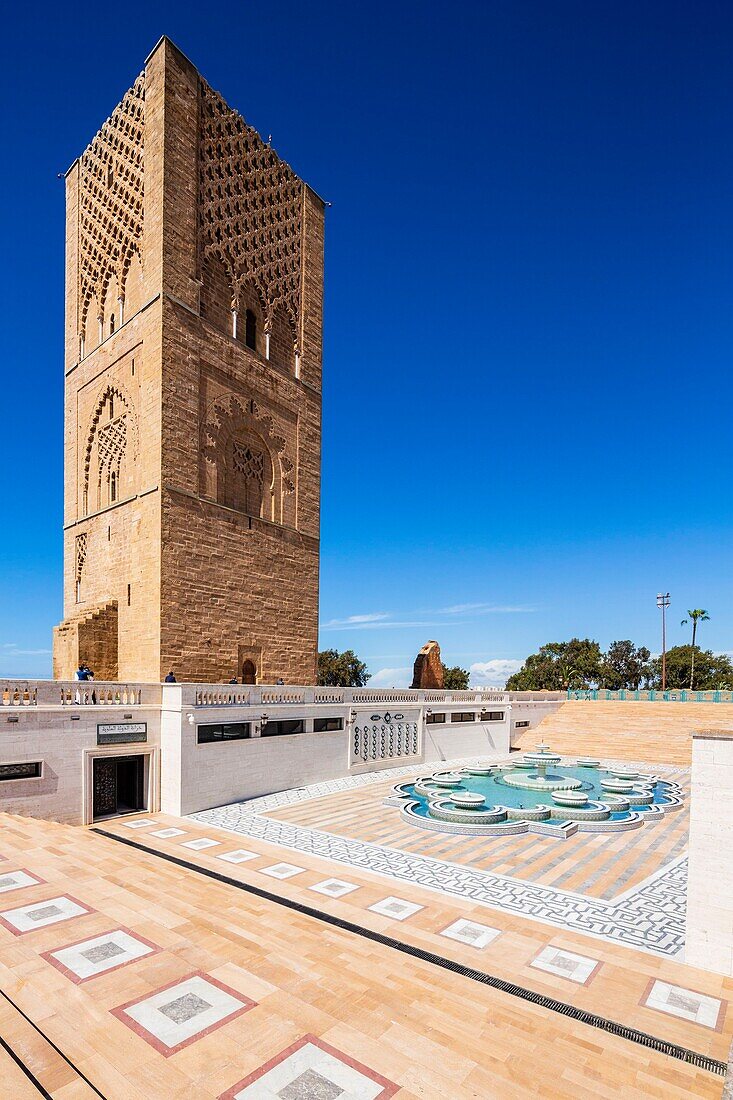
{"x":538,"y":778}
{"x":508,"y":798}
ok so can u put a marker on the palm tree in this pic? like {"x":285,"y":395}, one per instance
{"x":698,"y":615}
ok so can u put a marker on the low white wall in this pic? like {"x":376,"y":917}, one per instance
{"x":62,"y":738}
{"x":463,"y":739}
{"x":222,"y":772}
{"x":200,"y":776}
{"x":382,"y":729}
{"x":709,"y":941}
{"x":532,"y":712}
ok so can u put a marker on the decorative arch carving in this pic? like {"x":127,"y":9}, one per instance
{"x":132,"y":281}
{"x":243,"y":460}
{"x":111,"y":449}
{"x":111,"y":177}
{"x":250,"y":207}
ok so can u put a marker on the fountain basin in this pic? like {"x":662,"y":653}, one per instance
{"x":540,"y":759}
{"x":427,"y":788}
{"x":641,"y":797}
{"x":524,"y":813}
{"x":467,"y":800}
{"x":570,"y":798}
{"x":619,"y":786}
{"x":442,"y":809}
{"x":539,"y":782}
{"x":617,"y":802}
{"x":447,"y":779}
{"x":622,"y":773}
{"x":592,"y":811}
{"x":587,"y":762}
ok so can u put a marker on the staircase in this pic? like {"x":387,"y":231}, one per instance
{"x":89,"y":636}
{"x":657,"y":732}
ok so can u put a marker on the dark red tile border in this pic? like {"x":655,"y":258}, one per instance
{"x":389,"y":1088}
{"x":148,"y":1036}
{"x":48,"y":955}
{"x":541,"y":970}
{"x":473,"y":946}
{"x":653,"y":1008}
{"x":40,"y":901}
{"x":17,"y":870}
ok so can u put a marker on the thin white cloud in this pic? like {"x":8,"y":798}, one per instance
{"x":345,"y":624}
{"x":391,"y":677}
{"x":484,"y":609}
{"x":494,"y":673}
{"x":379,"y":619}
{"x":355,"y":620}
{"x":11,"y":649}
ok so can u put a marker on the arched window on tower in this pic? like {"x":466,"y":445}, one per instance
{"x":113,"y":487}
{"x":249,"y":672}
{"x":111,"y":323}
{"x":250,"y":329}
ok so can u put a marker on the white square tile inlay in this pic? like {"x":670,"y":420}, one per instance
{"x":698,"y":1008}
{"x":99,"y":954}
{"x":282,"y":870}
{"x":26,"y":918}
{"x":565,"y":964}
{"x":202,"y":842}
{"x":334,"y":887}
{"x":165,"y":833}
{"x":239,"y":855}
{"x":16,"y":880}
{"x":471,"y":933}
{"x":312,"y":1070}
{"x":141,"y":823}
{"x":183,"y":1012}
{"x":396,"y":908}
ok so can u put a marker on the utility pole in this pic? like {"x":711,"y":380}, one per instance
{"x":663,"y":604}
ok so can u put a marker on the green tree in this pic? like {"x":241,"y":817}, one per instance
{"x":698,"y":615}
{"x":624,"y":666}
{"x":560,"y":665}
{"x":341,"y":669}
{"x":455,"y":678}
{"x":713,"y":671}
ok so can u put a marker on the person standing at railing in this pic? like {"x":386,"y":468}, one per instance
{"x":90,"y":676}
{"x":170,"y":679}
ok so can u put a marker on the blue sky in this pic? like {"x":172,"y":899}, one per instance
{"x":528,"y":311}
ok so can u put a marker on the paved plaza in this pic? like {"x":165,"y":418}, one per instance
{"x":626,"y":888}
{"x":227,"y":955}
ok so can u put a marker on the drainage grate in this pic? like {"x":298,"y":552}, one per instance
{"x":632,"y":1034}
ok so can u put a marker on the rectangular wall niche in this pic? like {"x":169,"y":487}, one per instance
{"x":28,"y":770}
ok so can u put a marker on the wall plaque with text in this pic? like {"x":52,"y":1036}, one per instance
{"x":121,"y":733}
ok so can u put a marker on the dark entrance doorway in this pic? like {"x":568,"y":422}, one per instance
{"x":118,"y":785}
{"x":249,"y":672}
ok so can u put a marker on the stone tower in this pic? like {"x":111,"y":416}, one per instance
{"x":194,"y":287}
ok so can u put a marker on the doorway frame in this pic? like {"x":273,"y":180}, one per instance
{"x":151,"y":776}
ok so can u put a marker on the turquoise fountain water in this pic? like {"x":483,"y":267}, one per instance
{"x":538,"y":793}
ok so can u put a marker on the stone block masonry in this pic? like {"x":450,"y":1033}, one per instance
{"x":194,"y":264}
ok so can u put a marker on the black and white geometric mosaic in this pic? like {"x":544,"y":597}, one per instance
{"x":650,"y":917}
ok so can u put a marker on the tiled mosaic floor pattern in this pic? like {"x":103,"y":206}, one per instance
{"x":598,"y":865}
{"x":649,"y":915}
{"x":235,"y":985}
